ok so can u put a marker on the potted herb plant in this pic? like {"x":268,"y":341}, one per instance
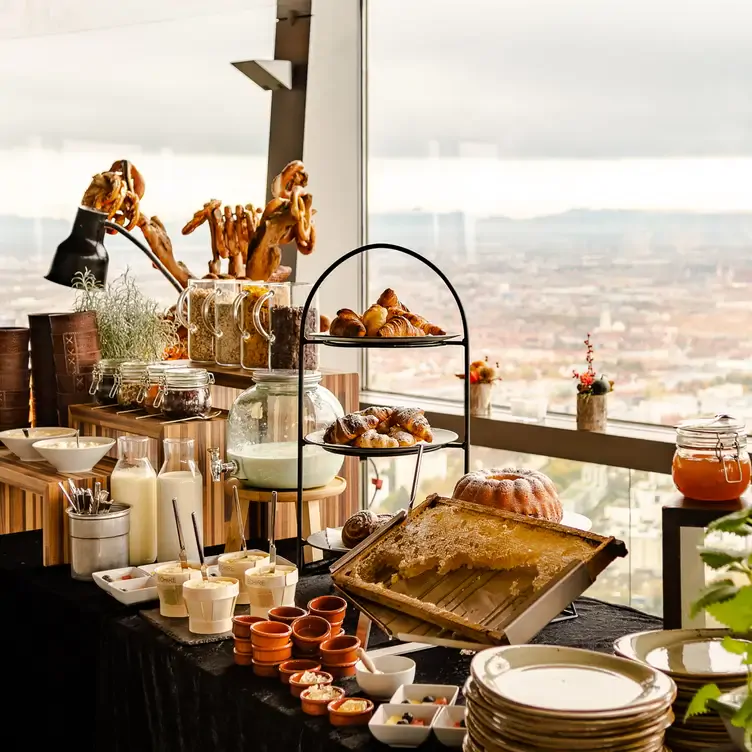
{"x":592,"y":392}
{"x":131,"y":326}
{"x":483,"y":377}
{"x":729,"y":601}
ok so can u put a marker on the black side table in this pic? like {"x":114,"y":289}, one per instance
{"x":681,"y":513}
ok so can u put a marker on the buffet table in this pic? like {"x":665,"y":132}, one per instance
{"x":80,"y":667}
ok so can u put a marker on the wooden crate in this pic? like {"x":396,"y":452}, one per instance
{"x":30,"y":498}
{"x":93,"y":421}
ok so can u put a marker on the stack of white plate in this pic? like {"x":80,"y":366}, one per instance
{"x":692,"y":658}
{"x":531,"y":698}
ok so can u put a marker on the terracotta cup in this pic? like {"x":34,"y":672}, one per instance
{"x":241,"y":625}
{"x":273,"y":655}
{"x":242,"y":659}
{"x":270,"y":634}
{"x":338,"y":718}
{"x":297,"y":686}
{"x":340,"y":651}
{"x":308,"y":633}
{"x":286,"y":614}
{"x":243,"y":645}
{"x":329,"y":607}
{"x":265,"y":670}
{"x":317,"y":707}
{"x":295,"y":666}
{"x":342,"y":671}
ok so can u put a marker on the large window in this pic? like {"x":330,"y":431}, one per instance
{"x":574,"y":167}
{"x":84,"y":85}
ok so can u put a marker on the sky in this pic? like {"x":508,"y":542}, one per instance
{"x":518,"y":107}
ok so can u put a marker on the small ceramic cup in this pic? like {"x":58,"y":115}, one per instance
{"x":210,"y":604}
{"x":170,"y":579}
{"x":243,"y":645}
{"x":297,"y":685}
{"x":295,"y":666}
{"x":268,"y":635}
{"x":273,"y":655}
{"x":241,"y":625}
{"x":308,"y":633}
{"x":330,"y":607}
{"x":338,"y":717}
{"x":286,"y":614}
{"x":318,"y":707}
{"x":340,"y":651}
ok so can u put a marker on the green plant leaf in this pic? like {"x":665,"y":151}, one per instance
{"x":737,"y":647}
{"x":735,"y":612}
{"x":743,"y":717}
{"x":717,"y":558}
{"x":737,"y":523}
{"x":716,"y":592}
{"x":699,"y":704}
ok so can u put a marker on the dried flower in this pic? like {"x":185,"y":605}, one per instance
{"x":482,"y":372}
{"x":588,"y":382}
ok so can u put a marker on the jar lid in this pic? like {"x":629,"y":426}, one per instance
{"x":186,"y":378}
{"x":133,"y":369}
{"x":109,"y":365}
{"x":154,"y":370}
{"x":719,"y":431}
{"x":280,"y":376}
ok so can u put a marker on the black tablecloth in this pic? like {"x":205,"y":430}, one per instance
{"x":81,"y":668}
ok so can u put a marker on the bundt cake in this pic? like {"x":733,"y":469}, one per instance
{"x":522,"y":491}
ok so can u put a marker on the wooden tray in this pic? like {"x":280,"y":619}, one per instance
{"x":480,"y":604}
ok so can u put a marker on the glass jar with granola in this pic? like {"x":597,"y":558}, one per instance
{"x":197,"y":318}
{"x":251,"y":311}
{"x":130,"y":381}
{"x":227,"y":335}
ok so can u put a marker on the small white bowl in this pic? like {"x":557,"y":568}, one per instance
{"x":402,"y":736}
{"x":444,"y":728}
{"x":72,"y":458}
{"x":21,"y":445}
{"x":397,"y":670}
{"x":413,"y":694}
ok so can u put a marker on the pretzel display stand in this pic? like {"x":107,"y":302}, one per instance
{"x":256,"y":500}
{"x":30,"y":498}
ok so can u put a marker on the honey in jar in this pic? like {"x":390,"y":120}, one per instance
{"x":711,"y":462}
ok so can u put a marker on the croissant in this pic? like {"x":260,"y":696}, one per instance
{"x":374,"y":440}
{"x":393,"y":311}
{"x":423,"y":324}
{"x":414,"y":422}
{"x":373,"y":319}
{"x":389,"y":299}
{"x":385,"y":425}
{"x":400,"y":327}
{"x":404,"y":438}
{"x":347,"y":323}
{"x":344,"y":430}
{"x":382,"y":413}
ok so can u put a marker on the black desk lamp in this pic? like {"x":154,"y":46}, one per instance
{"x":84,"y":249}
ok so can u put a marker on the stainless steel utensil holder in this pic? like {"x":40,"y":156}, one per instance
{"x":99,"y":541}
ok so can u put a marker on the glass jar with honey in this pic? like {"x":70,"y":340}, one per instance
{"x":711,"y":462}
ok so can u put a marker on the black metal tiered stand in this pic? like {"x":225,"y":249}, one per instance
{"x":387,"y":342}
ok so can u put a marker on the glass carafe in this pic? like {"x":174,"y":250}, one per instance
{"x":134,"y":482}
{"x":179,"y":478}
{"x":262,"y":431}
{"x":200,"y":337}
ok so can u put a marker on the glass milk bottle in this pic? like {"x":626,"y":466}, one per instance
{"x":134,"y":482}
{"x":179,"y":478}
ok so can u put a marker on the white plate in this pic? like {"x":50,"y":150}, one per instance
{"x":569,"y":682}
{"x":441,"y":437}
{"x":692,"y":653}
{"x":330,"y":539}
{"x":426,"y":341}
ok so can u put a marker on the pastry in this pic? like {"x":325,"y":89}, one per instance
{"x":404,"y":438}
{"x":399,"y":326}
{"x":412,"y":420}
{"x":389,"y":299}
{"x":426,"y":326}
{"x":372,"y":439}
{"x":347,"y":323}
{"x":382,"y":413}
{"x":345,"y":429}
{"x":525,"y":492}
{"x":361,"y":525}
{"x":373,"y":319}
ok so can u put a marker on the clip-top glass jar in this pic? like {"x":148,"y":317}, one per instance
{"x":151,"y":385}
{"x":104,"y":379}
{"x":262,"y":431}
{"x":129,"y":382}
{"x":185,"y":393}
{"x":200,"y":337}
{"x":251,"y":312}
{"x":711,"y":462}
{"x":225,"y":329}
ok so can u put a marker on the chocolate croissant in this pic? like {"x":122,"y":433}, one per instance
{"x":347,"y":323}
{"x":344,"y":430}
{"x":399,"y":326}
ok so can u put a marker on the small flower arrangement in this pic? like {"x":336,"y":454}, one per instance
{"x":482,"y":372}
{"x":588,"y":382}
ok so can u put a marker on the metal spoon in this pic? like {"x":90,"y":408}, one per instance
{"x":183,"y":556}
{"x":236,"y":498}
{"x":272,"y":547}
{"x":204,"y":575}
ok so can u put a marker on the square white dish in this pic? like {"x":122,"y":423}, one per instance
{"x":444,"y":728}
{"x":402,"y":736}
{"x":408,"y":693}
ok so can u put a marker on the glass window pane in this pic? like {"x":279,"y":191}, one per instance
{"x":573,"y":170}
{"x":162,"y":93}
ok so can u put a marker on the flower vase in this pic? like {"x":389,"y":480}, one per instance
{"x":592,"y":412}
{"x":480,"y":399}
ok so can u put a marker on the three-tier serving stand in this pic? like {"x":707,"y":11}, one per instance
{"x":375,"y":342}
